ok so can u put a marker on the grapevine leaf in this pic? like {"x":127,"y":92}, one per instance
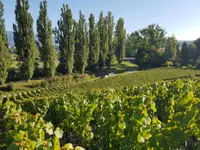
{"x":68,"y":146}
{"x":79,"y":148}
{"x":140,"y":139}
{"x":58,"y":133}
{"x":49,"y":128}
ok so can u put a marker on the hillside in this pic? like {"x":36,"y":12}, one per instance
{"x":11,"y":38}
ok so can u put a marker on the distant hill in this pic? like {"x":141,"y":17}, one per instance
{"x":181,"y":42}
{"x":11,"y":38}
{"x":11,"y":41}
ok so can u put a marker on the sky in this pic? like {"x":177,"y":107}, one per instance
{"x":178,"y":17}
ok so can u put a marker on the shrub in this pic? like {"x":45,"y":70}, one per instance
{"x":197,"y":64}
{"x":168,"y":64}
{"x":10,"y":87}
{"x":189,"y":66}
{"x":44,"y":84}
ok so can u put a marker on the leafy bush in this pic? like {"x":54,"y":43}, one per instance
{"x":10,"y":87}
{"x":198,"y":64}
{"x":139,"y":117}
{"x":189,"y":66}
{"x":44,"y":84}
{"x":26,"y":131}
{"x":168,"y":64}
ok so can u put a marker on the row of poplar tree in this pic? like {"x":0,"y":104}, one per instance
{"x":79,"y":47}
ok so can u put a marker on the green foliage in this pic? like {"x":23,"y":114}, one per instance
{"x":171,"y":49}
{"x":4,"y":61}
{"x":26,"y":131}
{"x":154,"y":34}
{"x":198,"y":64}
{"x":24,"y":39}
{"x":120,"y":34}
{"x":168,"y":64}
{"x":10,"y":87}
{"x":81,"y":48}
{"x":189,"y":66}
{"x":65,"y":37}
{"x":111,"y":51}
{"x":82,"y":83}
{"x":153,"y":47}
{"x":46,"y":48}
{"x":94,"y":44}
{"x":163,"y":115}
{"x":177,"y":61}
{"x":4,"y":55}
{"x":188,"y":54}
{"x":104,"y":45}
{"x":149,"y":57}
{"x":192,"y":54}
{"x":132,"y":44}
{"x":197,"y":43}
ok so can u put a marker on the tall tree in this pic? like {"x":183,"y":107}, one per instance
{"x":110,"y":24}
{"x":120,"y":34}
{"x":46,"y":48}
{"x":132,"y":44}
{"x":104,"y":47}
{"x":4,"y":55}
{"x":192,"y":54}
{"x":184,"y":54}
{"x":82,"y":49}
{"x":65,"y":37}
{"x":197,"y":43}
{"x":171,"y":49}
{"x":178,"y":56}
{"x":94,"y":44}
{"x":24,"y":38}
{"x":154,"y":34}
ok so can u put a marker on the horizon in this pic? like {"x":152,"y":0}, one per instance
{"x":174,"y":18}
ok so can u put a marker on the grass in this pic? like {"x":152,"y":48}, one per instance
{"x":132,"y":79}
{"x":117,"y":68}
{"x":49,"y":82}
{"x":26,"y":84}
{"x":124,"y":67}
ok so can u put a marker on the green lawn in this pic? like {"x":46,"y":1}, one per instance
{"x":117,"y":68}
{"x":124,"y":67}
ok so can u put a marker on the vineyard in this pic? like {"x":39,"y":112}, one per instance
{"x":120,"y":81}
{"x":161,"y":115}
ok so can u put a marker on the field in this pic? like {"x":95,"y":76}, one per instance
{"x":150,"y":109}
{"x":134,"y":78}
{"x":115,"y":68}
{"x":85,"y":83}
{"x":162,"y":115}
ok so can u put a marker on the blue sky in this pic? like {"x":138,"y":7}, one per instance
{"x":178,"y":17}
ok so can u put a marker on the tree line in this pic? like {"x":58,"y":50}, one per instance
{"x":82,"y":45}
{"x":153,"y":48}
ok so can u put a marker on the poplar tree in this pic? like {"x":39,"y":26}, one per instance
{"x":120,"y":35}
{"x":65,"y":37}
{"x":46,"y":48}
{"x":103,"y":33}
{"x":110,"y":24}
{"x":185,"y":54}
{"x":94,"y":44}
{"x":82,"y":49}
{"x":24,"y":39}
{"x":4,"y":55}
